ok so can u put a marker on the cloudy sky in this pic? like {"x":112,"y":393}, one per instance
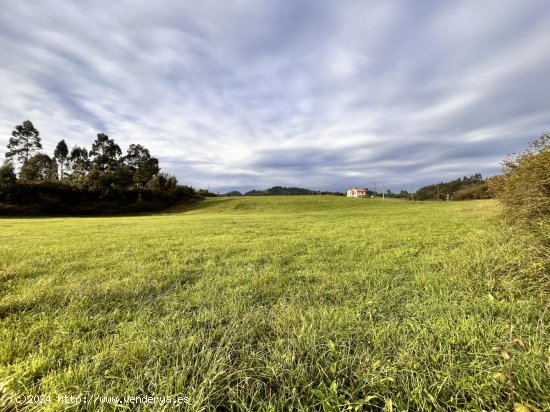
{"x":248,"y":94}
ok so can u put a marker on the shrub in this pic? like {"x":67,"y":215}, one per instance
{"x":56,"y":198}
{"x":524,"y":188}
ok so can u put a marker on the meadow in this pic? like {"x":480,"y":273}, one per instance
{"x":277,"y":303}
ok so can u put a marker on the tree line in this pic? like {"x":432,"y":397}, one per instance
{"x":466,"y":188}
{"x":103,"y":166}
{"x":102,"y":174}
{"x":272,"y":191}
{"x":289,"y":191}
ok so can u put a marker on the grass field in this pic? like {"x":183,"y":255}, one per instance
{"x":276,"y":303}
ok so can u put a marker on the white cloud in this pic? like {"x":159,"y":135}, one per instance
{"x":343,"y":93}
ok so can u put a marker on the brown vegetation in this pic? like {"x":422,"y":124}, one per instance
{"x":524,"y":187}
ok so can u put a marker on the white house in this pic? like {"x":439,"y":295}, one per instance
{"x":356,"y":192}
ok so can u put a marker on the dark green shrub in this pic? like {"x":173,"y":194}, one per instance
{"x":56,"y":198}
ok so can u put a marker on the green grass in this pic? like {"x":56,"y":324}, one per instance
{"x":277,"y":303}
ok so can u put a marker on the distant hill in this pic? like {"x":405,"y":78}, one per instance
{"x":290,"y":191}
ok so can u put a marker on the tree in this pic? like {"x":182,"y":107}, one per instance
{"x":119,"y":178}
{"x":79,"y":164}
{"x":7,"y":174}
{"x":25,"y":141}
{"x":472,"y":187}
{"x":141,"y":164}
{"x":162,"y":181}
{"x":105,"y":153}
{"x":61,"y":154}
{"x":39,"y":167}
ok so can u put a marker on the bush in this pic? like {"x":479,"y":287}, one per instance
{"x":524,"y":188}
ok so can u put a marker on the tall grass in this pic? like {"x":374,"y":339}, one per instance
{"x":278,"y":303}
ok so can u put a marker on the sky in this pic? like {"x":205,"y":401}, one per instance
{"x":243,"y":94}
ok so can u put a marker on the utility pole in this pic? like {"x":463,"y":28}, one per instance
{"x":412,"y":193}
{"x":383,"y":189}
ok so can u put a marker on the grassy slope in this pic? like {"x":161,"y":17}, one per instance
{"x":275,"y":302}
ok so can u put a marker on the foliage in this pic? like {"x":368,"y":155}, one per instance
{"x":52,"y":198}
{"x":472,"y":192}
{"x":403,"y":194}
{"x":142,"y":166}
{"x":277,"y":303}
{"x":288,"y":191}
{"x":465,"y":188}
{"x":206,"y":193}
{"x":233,"y":193}
{"x":93,"y":177}
{"x":7,"y":174}
{"x":79,"y":165}
{"x":105,"y":153}
{"x":112,"y":178}
{"x":25,"y":141}
{"x":162,"y":181}
{"x":524,"y":188}
{"x":60,"y":154}
{"x":39,"y":168}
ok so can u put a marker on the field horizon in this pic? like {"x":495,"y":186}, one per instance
{"x":276,"y":303}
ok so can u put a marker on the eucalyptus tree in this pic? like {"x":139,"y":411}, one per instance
{"x":24,"y":143}
{"x":141,"y":164}
{"x":39,"y":168}
{"x":79,"y":164}
{"x":105,"y":153}
{"x":61,"y":154}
